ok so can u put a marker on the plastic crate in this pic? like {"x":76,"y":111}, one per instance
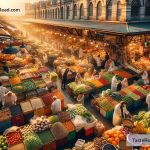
{"x":47,"y":110}
{"x":18,"y":120}
{"x":71,"y":136}
{"x":16,"y":110}
{"x":107,"y":114}
{"x":89,"y":132}
{"x":39,"y":112}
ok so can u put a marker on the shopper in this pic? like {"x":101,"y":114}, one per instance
{"x":120,"y":112}
{"x":3,"y":91}
{"x":124,"y":83}
{"x":145,"y":77}
{"x":56,"y":105}
{"x":148,"y":101}
{"x":64,"y":78}
{"x":78,"y":78}
{"x":98,"y":62}
{"x":104,"y":61}
{"x":80,"y":99}
{"x":45,"y":59}
{"x":9,"y":99}
{"x":112,"y":67}
{"x":114,"y":83}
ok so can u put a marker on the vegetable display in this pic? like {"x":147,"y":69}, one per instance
{"x":3,"y":143}
{"x":32,"y":142}
{"x":40,"y":124}
{"x":64,"y":116}
{"x":26,"y":130}
{"x":15,"y":80}
{"x":53,"y":76}
{"x":53,"y":119}
{"x":14,"y":138}
{"x":29,"y":85}
{"x":40,"y":83}
{"x":18,"y":88}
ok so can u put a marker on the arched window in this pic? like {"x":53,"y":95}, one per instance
{"x":75,"y":10}
{"x":147,"y":8}
{"x":68,"y":12}
{"x":135,"y":8}
{"x":53,"y":13}
{"x":118,"y":10}
{"x":56,"y":13}
{"x":90,"y":9}
{"x":99,"y":9}
{"x":43,"y":14}
{"x":81,"y":11}
{"x":62,"y":13}
{"x":109,"y":9}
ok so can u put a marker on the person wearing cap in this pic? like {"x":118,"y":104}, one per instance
{"x":120,"y":112}
{"x":56,"y":105}
{"x":9,"y":99}
{"x":145,"y":77}
{"x":124,"y":83}
{"x":114,"y":83}
{"x":3,"y":91}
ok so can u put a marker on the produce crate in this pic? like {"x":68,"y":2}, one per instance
{"x":36,"y":103}
{"x":14,"y":138}
{"x":20,"y":97}
{"x":71,"y":129}
{"x":17,"y":115}
{"x":47,"y":110}
{"x":48,"y":140}
{"x":41,"y":91}
{"x":17,"y":147}
{"x":107,"y":114}
{"x":47,"y":99}
{"x":31,"y":94}
{"x":39,"y":112}
{"x":27,"y":110}
{"x":61,"y":142}
{"x":89,"y":132}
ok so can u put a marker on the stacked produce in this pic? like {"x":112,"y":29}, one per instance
{"x":32,"y":142}
{"x":11,"y":74}
{"x":108,"y":76}
{"x":39,"y":83}
{"x":99,"y":142}
{"x":3,"y":143}
{"x":6,"y":57}
{"x":114,"y":136}
{"x":64,"y":116}
{"x":53,"y":119}
{"x":14,"y":80}
{"x":142,"y":122}
{"x":29,"y":85}
{"x":81,"y":111}
{"x":14,"y":138}
{"x":53,"y":76}
{"x":40,"y":124}
{"x":26,"y":130}
{"x":18,"y":88}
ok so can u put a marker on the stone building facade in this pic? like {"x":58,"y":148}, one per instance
{"x":100,"y":10}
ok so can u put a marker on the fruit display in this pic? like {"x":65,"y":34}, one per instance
{"x":142,"y":120}
{"x":5,"y":114}
{"x":145,"y":147}
{"x":53,"y":119}
{"x":40,"y":83}
{"x":3,"y":143}
{"x":32,"y":142}
{"x":6,"y":57}
{"x":64,"y":116}
{"x":146,"y":87}
{"x":18,"y":88}
{"x":29,"y":85}
{"x":11,"y":74}
{"x":96,"y":83}
{"x":53,"y":76}
{"x":114,"y":136}
{"x":69,"y":126}
{"x":89,"y":84}
{"x":26,"y":130}
{"x":14,"y":138}
{"x":40,"y":124}
{"x":15,"y":80}
{"x":46,"y":137}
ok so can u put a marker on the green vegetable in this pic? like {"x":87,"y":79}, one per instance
{"x":54,"y":76}
{"x":53,"y":119}
{"x":33,"y":142}
{"x":29,"y":85}
{"x":3,"y":143}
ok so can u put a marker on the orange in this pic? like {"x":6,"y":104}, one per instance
{"x":114,"y":143}
{"x":109,"y":140}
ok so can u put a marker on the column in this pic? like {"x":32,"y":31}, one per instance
{"x":114,"y":11}
{"x":103,"y":15}
{"x":128,"y":12}
{"x":142,"y":12}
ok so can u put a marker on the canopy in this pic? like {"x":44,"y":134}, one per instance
{"x":10,"y":50}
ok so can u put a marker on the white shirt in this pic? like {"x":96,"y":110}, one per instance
{"x":98,"y":61}
{"x":56,"y":106}
{"x":3,"y":91}
{"x":148,"y":99}
{"x":9,"y":100}
{"x":114,"y":84}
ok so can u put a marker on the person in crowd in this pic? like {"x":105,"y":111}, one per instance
{"x":78,"y":78}
{"x":56,"y":105}
{"x":22,"y":53}
{"x":80,"y":99}
{"x":91,"y":59}
{"x":101,"y":73}
{"x":64,"y":78}
{"x":148,"y":101}
{"x":80,"y":53}
{"x":5,"y":67}
{"x":120,"y":112}
{"x":107,"y":64}
{"x":45,"y":59}
{"x":9,"y":99}
{"x":145,"y":77}
{"x":114,"y":83}
{"x":89,"y":74}
{"x":112,"y":67}
{"x":104,"y":61}
{"x":98,"y":62}
{"x":124,"y":83}
{"x":3,"y":91}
